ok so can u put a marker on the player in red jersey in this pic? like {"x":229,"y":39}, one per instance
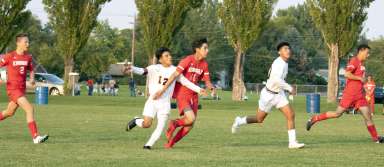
{"x":353,"y":94}
{"x":369,"y":88}
{"x":18,"y":62}
{"x":195,"y":68}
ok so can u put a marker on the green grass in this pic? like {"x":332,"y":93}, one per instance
{"x":89,"y":131}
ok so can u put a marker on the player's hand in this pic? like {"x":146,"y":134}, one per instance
{"x":32,"y":81}
{"x":293,"y":92}
{"x":203,"y":92}
{"x":158,"y":94}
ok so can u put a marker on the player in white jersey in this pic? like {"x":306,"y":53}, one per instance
{"x":158,"y":75}
{"x":273,"y":95}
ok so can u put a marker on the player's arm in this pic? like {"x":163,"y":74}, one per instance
{"x":207,"y":80}
{"x":349,"y":75}
{"x":31,"y":72}
{"x":179,"y":69}
{"x":276,"y":75}
{"x":184,"y":81}
{"x":4,"y":61}
{"x":171,"y":79}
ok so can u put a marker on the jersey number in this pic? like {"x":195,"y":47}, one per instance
{"x":22,"y":70}
{"x":165,"y":80}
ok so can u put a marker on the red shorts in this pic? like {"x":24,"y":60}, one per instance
{"x":185,"y":102}
{"x":348,"y":101}
{"x":15,"y":94}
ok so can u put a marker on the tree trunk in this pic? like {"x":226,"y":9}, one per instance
{"x":333,"y":73}
{"x":238,"y":87}
{"x":68,"y":68}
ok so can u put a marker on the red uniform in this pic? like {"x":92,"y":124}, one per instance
{"x":17,"y":66}
{"x":370,"y":94}
{"x":353,"y":94}
{"x":194,"y":71}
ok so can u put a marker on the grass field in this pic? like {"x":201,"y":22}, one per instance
{"x":89,"y":131}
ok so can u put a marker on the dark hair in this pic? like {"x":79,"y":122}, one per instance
{"x":22,"y":35}
{"x":362,"y":47}
{"x":198,"y":43}
{"x":282,"y":44}
{"x":160,"y":52}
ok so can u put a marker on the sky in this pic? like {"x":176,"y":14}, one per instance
{"x":120,"y":14}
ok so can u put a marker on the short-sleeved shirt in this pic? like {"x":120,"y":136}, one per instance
{"x":17,"y":66}
{"x":355,"y":87}
{"x":194,"y":71}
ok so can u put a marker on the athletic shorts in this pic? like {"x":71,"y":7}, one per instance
{"x":187,"y":101}
{"x":153,"y":107}
{"x":350,"y":101}
{"x":268,"y":100}
{"x":15,"y":94}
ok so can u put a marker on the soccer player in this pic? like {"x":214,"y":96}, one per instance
{"x":369,"y":88}
{"x":18,"y":62}
{"x":158,"y":75}
{"x":353,"y":94}
{"x":273,"y":95}
{"x":195,"y":68}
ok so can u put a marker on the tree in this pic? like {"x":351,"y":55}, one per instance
{"x":160,"y":20}
{"x":243,"y":23}
{"x":72,"y":21}
{"x":12,"y":20}
{"x":375,"y":61}
{"x":340,"y":23}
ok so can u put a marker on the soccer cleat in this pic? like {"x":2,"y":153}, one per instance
{"x":235,"y":125}
{"x":380,"y":139}
{"x":309,"y":124}
{"x":170,"y":130}
{"x":168,"y":146}
{"x":147,"y":148}
{"x":131,"y":124}
{"x":296,"y":145}
{"x":40,"y":139}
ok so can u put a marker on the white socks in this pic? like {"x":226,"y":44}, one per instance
{"x":242,"y":120}
{"x":161,"y":121}
{"x":139,"y":122}
{"x":292,"y":136}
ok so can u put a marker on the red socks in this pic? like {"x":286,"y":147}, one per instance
{"x":33,"y":129}
{"x":1,"y":116}
{"x":182,"y":132}
{"x":319,"y":117}
{"x":373,"y":132}
{"x":179,"y":122}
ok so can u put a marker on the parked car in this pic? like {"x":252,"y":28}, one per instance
{"x":379,"y":95}
{"x":54,"y":83}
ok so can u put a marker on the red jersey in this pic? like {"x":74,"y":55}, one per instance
{"x":370,"y":87}
{"x":17,"y":66}
{"x":194,"y":71}
{"x":355,"y":87}
{"x":90,"y":82}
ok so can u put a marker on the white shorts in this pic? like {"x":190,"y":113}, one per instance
{"x":153,"y":107}
{"x":268,"y":100}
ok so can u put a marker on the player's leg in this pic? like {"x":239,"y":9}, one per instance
{"x":265,"y":106}
{"x":324,"y":116}
{"x":369,"y":123}
{"x":28,"y":108}
{"x":258,"y":118}
{"x":148,"y":114}
{"x":10,"y":111}
{"x":372,"y":105}
{"x":290,"y":116}
{"x":179,"y":135}
{"x":161,"y":121}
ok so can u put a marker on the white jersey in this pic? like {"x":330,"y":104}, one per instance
{"x":158,"y":76}
{"x":277,"y":74}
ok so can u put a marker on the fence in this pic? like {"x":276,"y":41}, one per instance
{"x":300,"y":89}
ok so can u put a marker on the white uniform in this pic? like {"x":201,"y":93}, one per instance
{"x":158,"y":76}
{"x":273,"y":94}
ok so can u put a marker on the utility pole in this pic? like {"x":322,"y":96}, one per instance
{"x":133,"y":43}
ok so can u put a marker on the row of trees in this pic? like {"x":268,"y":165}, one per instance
{"x":316,"y":29}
